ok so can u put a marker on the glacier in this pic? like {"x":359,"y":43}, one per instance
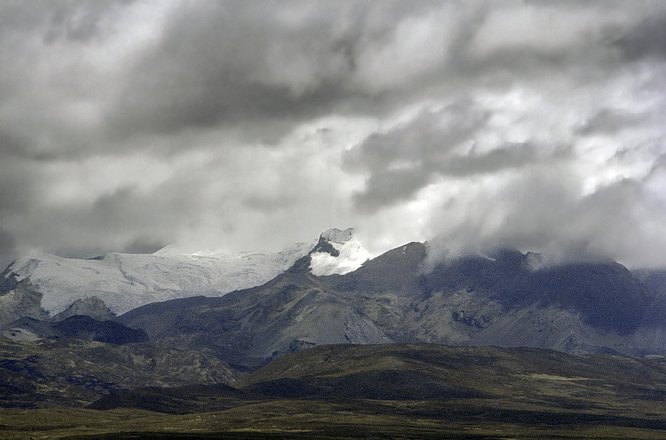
{"x":126,"y":281}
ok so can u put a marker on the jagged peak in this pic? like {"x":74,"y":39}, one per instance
{"x":90,"y":306}
{"x":337,"y":252}
{"x":336,"y":235}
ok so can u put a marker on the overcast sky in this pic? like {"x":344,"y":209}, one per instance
{"x":246,"y":125}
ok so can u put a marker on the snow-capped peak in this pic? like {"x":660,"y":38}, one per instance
{"x":336,"y":235}
{"x":337,"y":252}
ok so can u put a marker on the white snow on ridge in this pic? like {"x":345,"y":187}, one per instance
{"x":127,"y":281}
{"x":352,"y":254}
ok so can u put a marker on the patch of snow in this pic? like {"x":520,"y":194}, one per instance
{"x":126,"y":281}
{"x":535,"y":261}
{"x":352,"y":256}
{"x":20,"y":335}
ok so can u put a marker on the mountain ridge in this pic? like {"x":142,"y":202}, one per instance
{"x":126,"y":281}
{"x":471,"y":300}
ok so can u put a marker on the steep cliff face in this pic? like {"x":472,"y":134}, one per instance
{"x":88,"y":306}
{"x":73,"y":372}
{"x":125,"y":281}
{"x":22,"y":300}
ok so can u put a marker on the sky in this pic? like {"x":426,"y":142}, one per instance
{"x":251,"y":125}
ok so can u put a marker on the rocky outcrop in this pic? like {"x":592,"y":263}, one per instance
{"x":22,"y":300}
{"x":89,"y":306}
{"x":336,"y":235}
{"x":336,"y":253}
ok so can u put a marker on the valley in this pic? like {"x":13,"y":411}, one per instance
{"x":385,"y":391}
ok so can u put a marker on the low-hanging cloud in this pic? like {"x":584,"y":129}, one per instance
{"x":544,"y":211}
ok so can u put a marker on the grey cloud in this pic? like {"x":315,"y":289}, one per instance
{"x":48,"y":83}
{"x":257,"y":68}
{"x":254,"y":61}
{"x":19,"y":186}
{"x":124,"y":220}
{"x":174,"y":87}
{"x":435,"y":144}
{"x":390,"y":187}
{"x":74,"y":20}
{"x":80,"y":21}
{"x":608,"y":121}
{"x":7,"y":249}
{"x":543,"y":211}
{"x":646,"y":39}
{"x":266,"y":203}
{"x":84,"y":85}
{"x":143,"y":245}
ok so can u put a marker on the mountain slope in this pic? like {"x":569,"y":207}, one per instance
{"x":126,"y":281}
{"x":88,"y":306}
{"x":76,"y":371}
{"x":474,"y":300}
{"x":75,"y":327}
{"x":20,"y":299}
{"x":426,"y":391}
{"x":287,"y":314}
{"x":428,"y":371}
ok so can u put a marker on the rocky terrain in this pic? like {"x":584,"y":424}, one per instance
{"x":18,"y":300}
{"x":411,"y":335}
{"x":410,"y":391}
{"x":88,"y":306}
{"x":475,"y":300}
{"x":76,"y":369}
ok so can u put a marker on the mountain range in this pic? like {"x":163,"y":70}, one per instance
{"x":332,"y":292}
{"x":395,"y":343}
{"x":126,"y":281}
{"x":499,"y":299}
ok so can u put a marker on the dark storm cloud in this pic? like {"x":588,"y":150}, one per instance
{"x":647,"y":39}
{"x":268,"y":65}
{"x":18,"y":186}
{"x":74,"y":20}
{"x":46,"y":78}
{"x":608,"y":121}
{"x":127,"y":125}
{"x":222,"y":62}
{"x":7,"y":249}
{"x":543,"y":211}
